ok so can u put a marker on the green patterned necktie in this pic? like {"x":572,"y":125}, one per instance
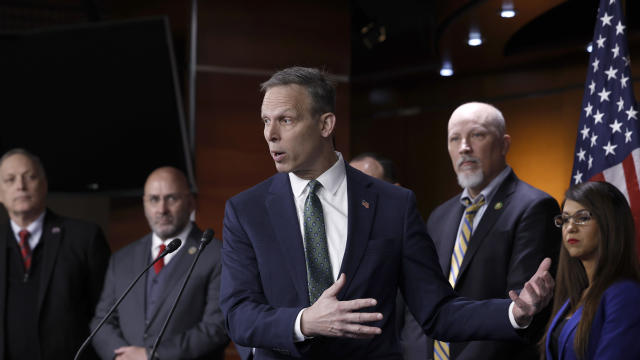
{"x":316,"y":251}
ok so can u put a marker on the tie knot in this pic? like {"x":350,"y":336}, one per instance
{"x":161,"y":248}
{"x":314,"y":185}
{"x":472,"y":207}
{"x":24,"y":234}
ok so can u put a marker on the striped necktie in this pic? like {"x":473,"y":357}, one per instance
{"x":25,"y":249}
{"x":441,"y":348}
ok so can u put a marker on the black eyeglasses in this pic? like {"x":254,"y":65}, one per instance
{"x":582,"y":217}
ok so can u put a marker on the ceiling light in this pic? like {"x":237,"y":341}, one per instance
{"x":507,"y":13}
{"x":446,"y":69}
{"x":589,"y":47}
{"x":475,"y":39}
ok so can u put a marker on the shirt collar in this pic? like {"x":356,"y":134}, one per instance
{"x":329,"y":179}
{"x":156,"y":241}
{"x":34,"y":228}
{"x":489,"y":191}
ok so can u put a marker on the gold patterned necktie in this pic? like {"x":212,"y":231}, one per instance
{"x":441,"y":348}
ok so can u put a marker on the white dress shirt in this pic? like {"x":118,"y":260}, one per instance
{"x":34,"y":229}
{"x":335,"y":207}
{"x":156,"y":242}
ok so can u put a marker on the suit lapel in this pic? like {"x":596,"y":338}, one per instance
{"x":561,"y":342}
{"x":140,"y":259}
{"x":449,"y":234}
{"x":4,"y":238}
{"x":362,"y":208}
{"x":52,"y":232}
{"x":284,"y":223}
{"x":179,"y":266}
{"x":568,"y":329}
{"x":491,"y":215}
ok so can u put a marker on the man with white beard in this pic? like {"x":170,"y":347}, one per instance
{"x":491,"y":237}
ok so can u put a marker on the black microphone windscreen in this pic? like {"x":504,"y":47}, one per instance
{"x":173,"y":245}
{"x":207,"y":236}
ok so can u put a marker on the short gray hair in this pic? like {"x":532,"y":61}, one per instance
{"x":31,"y":156}
{"x":316,"y":82}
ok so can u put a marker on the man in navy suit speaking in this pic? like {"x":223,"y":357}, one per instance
{"x":287,"y":240}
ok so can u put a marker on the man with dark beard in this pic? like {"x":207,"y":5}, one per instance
{"x":196,"y":330}
{"x":491,"y":237}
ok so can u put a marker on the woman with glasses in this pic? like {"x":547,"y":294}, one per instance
{"x":596,"y":308}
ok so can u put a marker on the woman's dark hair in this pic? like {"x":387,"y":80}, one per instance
{"x":616,"y":257}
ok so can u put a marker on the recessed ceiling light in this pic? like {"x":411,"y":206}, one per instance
{"x":446,"y":69}
{"x":475,"y":39}
{"x":507,"y":13}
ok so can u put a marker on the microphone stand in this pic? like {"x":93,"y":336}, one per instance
{"x":173,"y":246}
{"x":206,"y":239}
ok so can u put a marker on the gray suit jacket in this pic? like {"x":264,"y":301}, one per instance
{"x":196,"y":330}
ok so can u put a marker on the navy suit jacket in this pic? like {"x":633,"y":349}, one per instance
{"x":615,"y":331}
{"x":196,"y":330}
{"x":264,"y":281}
{"x":515,"y":233}
{"x":74,"y":259}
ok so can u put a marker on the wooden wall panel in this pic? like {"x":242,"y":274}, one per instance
{"x":275,"y":34}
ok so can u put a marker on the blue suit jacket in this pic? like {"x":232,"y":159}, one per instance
{"x":615,"y":331}
{"x":264,"y":281}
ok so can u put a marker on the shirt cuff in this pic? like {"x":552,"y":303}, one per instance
{"x":297,"y":332}
{"x":512,"y":319}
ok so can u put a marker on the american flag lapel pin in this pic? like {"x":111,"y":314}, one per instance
{"x":365,"y":204}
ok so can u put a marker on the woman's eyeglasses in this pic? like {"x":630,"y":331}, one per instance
{"x":582,"y":217}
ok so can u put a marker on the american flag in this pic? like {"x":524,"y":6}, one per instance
{"x":608,"y":143}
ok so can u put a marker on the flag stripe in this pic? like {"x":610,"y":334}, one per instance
{"x":631,"y":178}
{"x":615,"y":175}
{"x":630,"y":166}
{"x":608,"y":139}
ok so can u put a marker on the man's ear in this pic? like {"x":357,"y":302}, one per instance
{"x":506,"y":144}
{"x":327,"y":124}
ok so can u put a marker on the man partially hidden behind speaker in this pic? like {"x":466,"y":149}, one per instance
{"x":196,"y":330}
{"x":51,"y":268}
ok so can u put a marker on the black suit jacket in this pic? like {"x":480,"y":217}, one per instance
{"x":196,"y":330}
{"x":74,"y":260}
{"x":515,"y":233}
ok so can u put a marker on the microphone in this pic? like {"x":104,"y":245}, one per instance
{"x":206,"y":238}
{"x":173,"y":246}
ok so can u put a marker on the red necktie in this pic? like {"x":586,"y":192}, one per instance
{"x":25,"y":250}
{"x":160,"y":264}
